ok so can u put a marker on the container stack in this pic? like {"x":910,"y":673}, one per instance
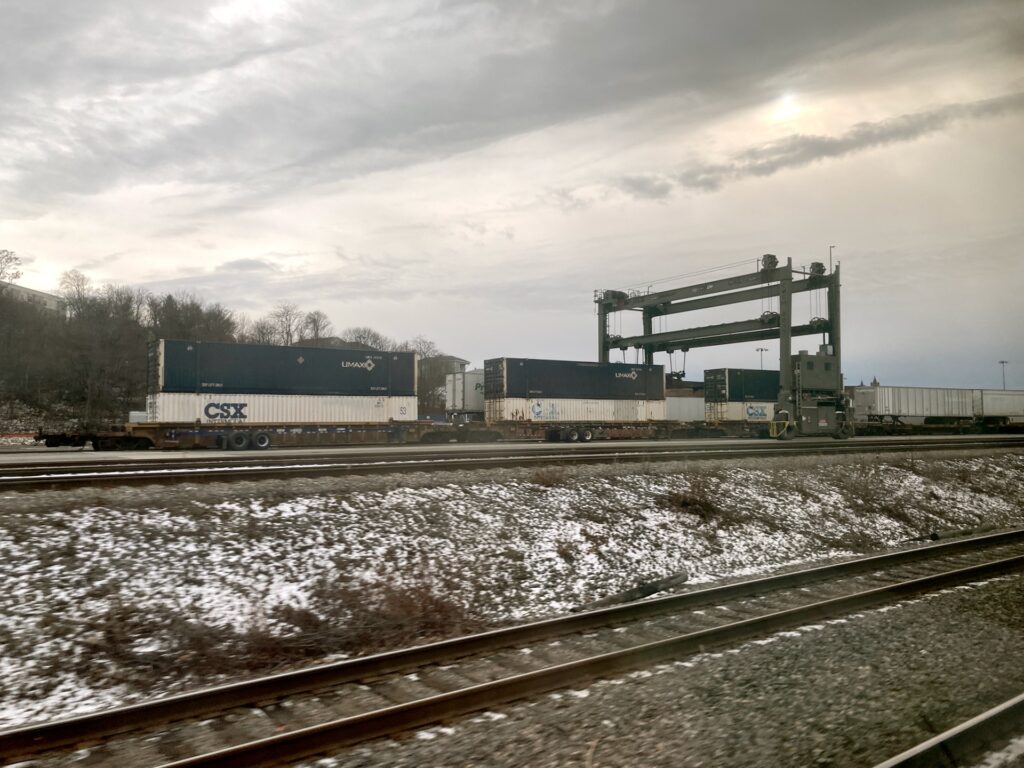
{"x":523,"y":389}
{"x":740,"y":394}
{"x":215,"y":382}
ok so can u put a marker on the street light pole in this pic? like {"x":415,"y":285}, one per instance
{"x":830,"y":258}
{"x":762,"y":350}
{"x":1003,"y":363}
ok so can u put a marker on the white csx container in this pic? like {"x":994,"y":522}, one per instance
{"x":464,"y":392}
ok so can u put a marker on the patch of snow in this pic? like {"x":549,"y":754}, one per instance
{"x":509,"y":547}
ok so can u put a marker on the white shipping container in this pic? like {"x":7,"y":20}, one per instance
{"x":1000,"y":404}
{"x":137,"y":417}
{"x":755,"y":411}
{"x":684,"y":408}
{"x":912,"y":405}
{"x":279,"y":409}
{"x":574,"y":411}
{"x":464,"y":392}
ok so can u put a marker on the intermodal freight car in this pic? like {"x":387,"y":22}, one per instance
{"x":238,"y":396}
{"x":253,"y":396}
{"x":891,"y":409}
{"x":573,"y":400}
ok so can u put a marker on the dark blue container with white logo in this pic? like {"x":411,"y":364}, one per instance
{"x":506,"y":377}
{"x":259,"y":369}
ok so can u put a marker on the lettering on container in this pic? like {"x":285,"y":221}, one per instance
{"x":757,"y":412}
{"x":537,"y":409}
{"x":367,"y":365}
{"x":631,"y":375}
{"x":225,"y":410}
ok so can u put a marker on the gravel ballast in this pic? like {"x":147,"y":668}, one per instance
{"x":847,"y":692}
{"x":112,"y":595}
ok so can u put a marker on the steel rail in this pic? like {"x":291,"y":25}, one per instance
{"x":359,"y":728}
{"x":30,"y":738}
{"x":965,"y":742}
{"x":311,"y":455}
{"x":158,"y":474}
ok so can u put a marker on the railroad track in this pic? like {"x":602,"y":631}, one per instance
{"x":219,"y":467}
{"x":965,"y":743}
{"x":273,"y":720}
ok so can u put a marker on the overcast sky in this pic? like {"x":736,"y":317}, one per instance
{"x":472,"y":171}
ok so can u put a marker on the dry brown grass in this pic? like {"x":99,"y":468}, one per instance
{"x":340,"y":619}
{"x":550,"y":476}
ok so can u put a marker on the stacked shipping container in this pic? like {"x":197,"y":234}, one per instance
{"x":521,"y":389}
{"x":214,"y":382}
{"x":740,"y":394}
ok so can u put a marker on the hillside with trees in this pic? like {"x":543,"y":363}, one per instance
{"x":86,"y":365}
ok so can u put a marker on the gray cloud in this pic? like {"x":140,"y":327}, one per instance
{"x":103,"y":93}
{"x":646,"y":187}
{"x":102,"y":261}
{"x":801,"y":150}
{"x":248,"y":265}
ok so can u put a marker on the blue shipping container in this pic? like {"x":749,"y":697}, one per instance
{"x":258,"y":369}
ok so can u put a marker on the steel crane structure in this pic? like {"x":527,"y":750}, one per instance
{"x":811,"y":400}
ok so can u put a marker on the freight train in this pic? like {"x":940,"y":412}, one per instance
{"x":915,"y":409}
{"x":239,"y":396}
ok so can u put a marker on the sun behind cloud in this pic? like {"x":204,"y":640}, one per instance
{"x":786,"y":109}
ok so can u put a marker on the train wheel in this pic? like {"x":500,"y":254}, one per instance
{"x":238,"y":441}
{"x":261,"y":441}
{"x":572,"y":435}
{"x":586,"y":435}
{"x":844,"y":432}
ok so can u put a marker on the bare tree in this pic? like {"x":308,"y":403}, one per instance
{"x":9,"y":263}
{"x":422,"y":346}
{"x":288,"y":320}
{"x":370,"y":337}
{"x":243,"y":327}
{"x":316,"y":325}
{"x":264,"y":331}
{"x":76,"y":290}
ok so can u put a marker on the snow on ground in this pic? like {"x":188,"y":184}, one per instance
{"x":117,"y":594}
{"x":25,"y":439}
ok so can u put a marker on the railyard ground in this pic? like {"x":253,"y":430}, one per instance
{"x":120,"y":594}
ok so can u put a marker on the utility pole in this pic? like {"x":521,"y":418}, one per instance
{"x":762,"y":350}
{"x":830,"y":258}
{"x":1003,"y":363}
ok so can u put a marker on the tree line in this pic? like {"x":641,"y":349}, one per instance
{"x":87,"y":363}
